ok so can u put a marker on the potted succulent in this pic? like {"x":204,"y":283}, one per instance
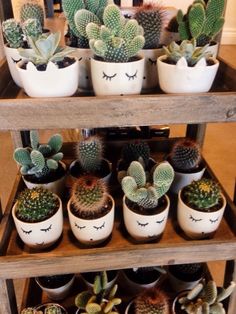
{"x":38,"y":217}
{"x":204,"y":298}
{"x":151,"y":17}
{"x":201,"y":206}
{"x":47,"y":308}
{"x":203,"y":21}
{"x":145,"y":205}
{"x":116,"y":69}
{"x":89,"y":278}
{"x":94,"y":302}
{"x":41,"y":163}
{"x":45,"y":63}
{"x":185,"y":158}
{"x":91,"y":210}
{"x":185,"y":68}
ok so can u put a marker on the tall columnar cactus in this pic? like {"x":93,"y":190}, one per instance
{"x":32,"y":11}
{"x":37,"y":204}
{"x":151,"y":18}
{"x":39,"y":159}
{"x":32,"y":28}
{"x":135,"y":151}
{"x":88,"y":196}
{"x":202,"y":21}
{"x":12,"y":33}
{"x":118,"y":39}
{"x":52,"y":309}
{"x":152,"y":301}
{"x":147,"y":194}
{"x":94,"y":302}
{"x":89,"y":153}
{"x":185,"y":155}
{"x":202,"y":194}
{"x":203,"y":299}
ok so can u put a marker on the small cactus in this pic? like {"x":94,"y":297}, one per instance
{"x":32,"y":28}
{"x":202,"y":194}
{"x":12,"y":33}
{"x":52,"y":309}
{"x":185,"y":155}
{"x":32,"y":11}
{"x":37,"y":204}
{"x":136,"y":151}
{"x":29,"y":310}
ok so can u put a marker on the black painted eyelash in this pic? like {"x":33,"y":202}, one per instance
{"x":102,"y":226}
{"x":160,"y":221}
{"x":15,"y":61}
{"x":47,"y":229}
{"x":80,"y":59}
{"x":131,"y":77}
{"x":107,"y":77}
{"x":152,"y":62}
{"x":193,"y":219}
{"x":26,"y":232}
{"x":214,"y":220}
{"x":79,"y":227}
{"x":142,"y":225}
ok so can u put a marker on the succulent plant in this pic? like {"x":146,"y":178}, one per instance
{"x":89,"y":153}
{"x":39,"y":160}
{"x":88,"y":196}
{"x":205,"y":299}
{"x":202,"y":194}
{"x":45,"y":49}
{"x":146,"y":194}
{"x":139,"y":151}
{"x":12,"y":33}
{"x":151,"y":17}
{"x":94,"y":302}
{"x":185,"y":155}
{"x":37,"y":204}
{"x":152,"y":301}
{"x":202,"y":21}
{"x":32,"y":11}
{"x":187,"y":50}
{"x":32,"y":28}
{"x":52,"y":309}
{"x":118,"y":39}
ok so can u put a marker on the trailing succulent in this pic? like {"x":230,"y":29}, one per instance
{"x":118,"y":39}
{"x":146,"y":194}
{"x":151,"y":18}
{"x":202,"y":194}
{"x":202,"y":21}
{"x":39,"y":159}
{"x":12,"y":32}
{"x":187,"y":50}
{"x":205,"y":299}
{"x":37,"y":204}
{"x":94,"y":302}
{"x":185,"y":155}
{"x":32,"y":11}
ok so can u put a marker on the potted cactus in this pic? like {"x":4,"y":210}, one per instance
{"x":201,"y":206}
{"x":89,"y":278}
{"x":32,"y":11}
{"x":47,"y":308}
{"x":45,"y":63}
{"x":38,"y":217}
{"x":41,"y":164}
{"x":185,"y":68}
{"x":185,"y":158}
{"x":116,"y":69}
{"x":204,"y":298}
{"x":91,"y":210}
{"x":145,"y":205}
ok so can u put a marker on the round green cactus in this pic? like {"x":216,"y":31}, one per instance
{"x":28,"y":310}
{"x":135,"y":151}
{"x":32,"y":28}
{"x":37,"y":204}
{"x":32,"y":11}
{"x":53,"y":309}
{"x":13,"y":33}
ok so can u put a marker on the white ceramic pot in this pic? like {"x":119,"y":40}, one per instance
{"x":213,"y":49}
{"x":110,"y":78}
{"x":150,"y":79}
{"x":180,"y":78}
{"x":53,"y":82}
{"x":145,"y":227}
{"x":127,"y":310}
{"x":92,"y":231}
{"x":198,"y":224}
{"x":41,"y":234}
{"x":56,"y":187}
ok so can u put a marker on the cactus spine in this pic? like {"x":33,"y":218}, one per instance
{"x":13,"y":33}
{"x":32,"y":28}
{"x":32,"y":11}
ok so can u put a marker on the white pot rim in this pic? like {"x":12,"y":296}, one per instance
{"x":164,"y":57}
{"x":200,"y":168}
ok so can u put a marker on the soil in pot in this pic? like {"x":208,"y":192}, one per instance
{"x":209,"y":62}
{"x":56,"y":281}
{"x":76,"y":170}
{"x":162,"y":204}
{"x":142,"y":275}
{"x":67,"y":61}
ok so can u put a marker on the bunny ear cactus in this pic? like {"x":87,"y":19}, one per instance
{"x":146,"y":194}
{"x":118,"y":39}
{"x":12,"y":33}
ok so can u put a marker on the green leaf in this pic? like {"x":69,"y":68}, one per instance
{"x":82,"y":299}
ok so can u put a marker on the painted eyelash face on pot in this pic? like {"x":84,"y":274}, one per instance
{"x":128,"y":76}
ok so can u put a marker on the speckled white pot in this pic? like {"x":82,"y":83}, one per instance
{"x":53,"y":82}
{"x":197,"y":224}
{"x":145,"y":227}
{"x":110,"y":78}
{"x":92,"y":231}
{"x":41,"y":234}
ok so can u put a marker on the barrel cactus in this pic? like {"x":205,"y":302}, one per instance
{"x":185,"y":155}
{"x":52,"y":309}
{"x":146,"y":194}
{"x":32,"y":28}
{"x":37,"y":204}
{"x":151,"y":18}
{"x":32,"y":11}
{"x":13,"y":33}
{"x":202,"y":194}
{"x":118,"y":39}
{"x":136,"y":151}
{"x":29,"y":310}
